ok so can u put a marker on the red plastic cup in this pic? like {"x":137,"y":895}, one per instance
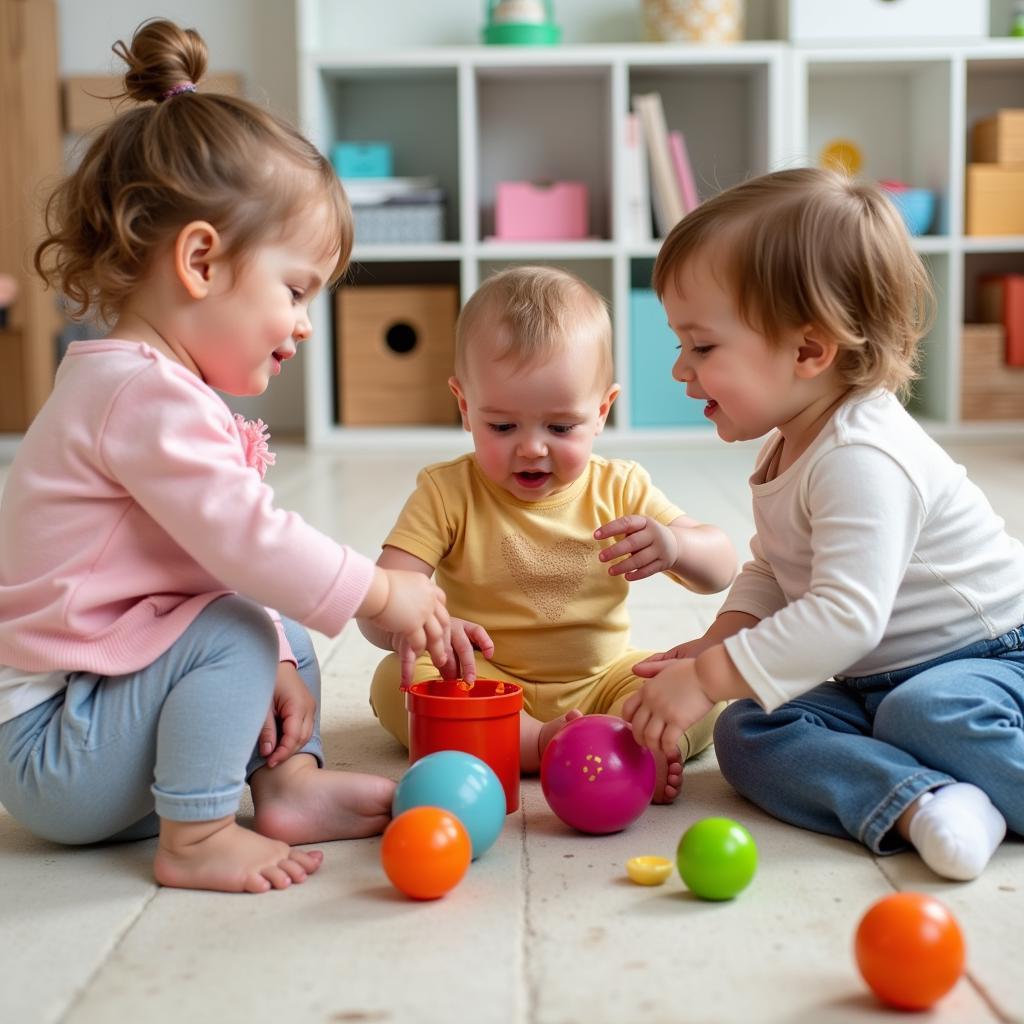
{"x":482,"y":720}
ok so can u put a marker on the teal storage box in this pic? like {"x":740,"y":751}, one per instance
{"x":361,"y":159}
{"x":655,"y":398}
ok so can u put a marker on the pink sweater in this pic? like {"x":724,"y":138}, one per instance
{"x":130,"y":506}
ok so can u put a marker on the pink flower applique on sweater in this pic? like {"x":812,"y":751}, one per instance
{"x":255,"y":434}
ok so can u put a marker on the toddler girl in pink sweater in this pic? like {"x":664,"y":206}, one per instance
{"x":143,"y":679}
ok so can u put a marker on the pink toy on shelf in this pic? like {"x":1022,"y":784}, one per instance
{"x":540,"y":211}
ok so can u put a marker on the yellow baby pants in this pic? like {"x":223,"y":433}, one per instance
{"x":604,"y":693}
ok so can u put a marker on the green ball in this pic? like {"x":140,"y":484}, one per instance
{"x":717,"y":858}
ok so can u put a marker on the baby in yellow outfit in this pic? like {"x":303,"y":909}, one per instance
{"x":518,"y":532}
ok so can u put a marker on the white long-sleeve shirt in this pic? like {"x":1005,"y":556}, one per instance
{"x":873,"y":551}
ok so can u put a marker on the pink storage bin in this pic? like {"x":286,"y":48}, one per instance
{"x":529,"y":211}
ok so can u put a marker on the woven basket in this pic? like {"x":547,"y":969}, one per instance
{"x":697,"y":21}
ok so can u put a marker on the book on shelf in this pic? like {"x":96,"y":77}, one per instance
{"x":392,"y":191}
{"x":638,"y":185}
{"x":684,"y":171}
{"x":1001,"y":301}
{"x":666,"y":196}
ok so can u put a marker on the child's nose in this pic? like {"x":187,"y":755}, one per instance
{"x":681,"y":370}
{"x":532,"y":448}
{"x":303,"y":328}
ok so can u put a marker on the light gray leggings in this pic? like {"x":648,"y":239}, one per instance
{"x":109,"y":754}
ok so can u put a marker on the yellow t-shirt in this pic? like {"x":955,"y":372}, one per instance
{"x":528,"y":571}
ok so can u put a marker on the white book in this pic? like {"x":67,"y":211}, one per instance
{"x":665,"y":194}
{"x":370,"y":191}
{"x":638,"y":183}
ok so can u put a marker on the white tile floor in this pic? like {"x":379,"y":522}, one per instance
{"x":545,"y":928}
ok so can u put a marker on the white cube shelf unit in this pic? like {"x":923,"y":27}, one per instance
{"x":472,"y":116}
{"x":911,"y":111}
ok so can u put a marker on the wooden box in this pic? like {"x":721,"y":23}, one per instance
{"x":995,"y":200}
{"x":999,"y":139}
{"x":14,"y":414}
{"x":395,"y":349}
{"x":989,"y":389}
{"x":92,"y":100}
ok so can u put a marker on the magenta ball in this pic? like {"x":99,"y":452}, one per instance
{"x":595,"y":776}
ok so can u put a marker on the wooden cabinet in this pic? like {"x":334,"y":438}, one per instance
{"x":30,"y":160}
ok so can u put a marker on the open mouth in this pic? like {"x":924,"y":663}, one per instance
{"x":710,"y":407}
{"x":532,"y":479}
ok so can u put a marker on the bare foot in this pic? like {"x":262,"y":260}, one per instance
{"x":669,"y":778}
{"x":300,"y":802}
{"x":535,"y":736}
{"x":223,"y":856}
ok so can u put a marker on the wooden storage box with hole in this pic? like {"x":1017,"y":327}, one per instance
{"x":395,"y":352}
{"x":989,"y":389}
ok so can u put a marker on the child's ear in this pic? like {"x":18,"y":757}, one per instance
{"x":816,"y":351}
{"x":610,"y":395}
{"x":456,"y":389}
{"x":195,"y":249}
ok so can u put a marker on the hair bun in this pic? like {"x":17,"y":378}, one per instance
{"x":161,"y":58}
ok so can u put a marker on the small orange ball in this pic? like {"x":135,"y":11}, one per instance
{"x":425,"y":852}
{"x":910,"y":950}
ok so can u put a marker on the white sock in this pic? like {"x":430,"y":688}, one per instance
{"x":956,"y":830}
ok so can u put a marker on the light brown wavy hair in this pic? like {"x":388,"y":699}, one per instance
{"x":174,"y":159}
{"x":808,"y":246}
{"x":533,"y":312}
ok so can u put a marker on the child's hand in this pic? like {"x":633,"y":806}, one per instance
{"x":466,"y":637}
{"x":666,"y":706}
{"x":652,"y":547}
{"x":293,"y":705}
{"x":416,"y":615}
{"x":654,"y":663}
{"x":459,"y":662}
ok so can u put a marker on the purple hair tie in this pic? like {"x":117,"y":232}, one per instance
{"x":179,"y":89}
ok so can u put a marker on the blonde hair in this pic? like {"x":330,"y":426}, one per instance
{"x":180,"y":156}
{"x":533,"y":312}
{"x":810,"y":246}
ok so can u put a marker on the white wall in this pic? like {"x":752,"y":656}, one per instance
{"x":384,"y":24}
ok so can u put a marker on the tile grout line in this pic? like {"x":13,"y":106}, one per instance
{"x":82,"y":990}
{"x":530,"y":990}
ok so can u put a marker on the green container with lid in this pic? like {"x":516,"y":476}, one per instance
{"x":521,"y":23}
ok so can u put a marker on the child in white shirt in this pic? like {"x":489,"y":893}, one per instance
{"x":877,"y":565}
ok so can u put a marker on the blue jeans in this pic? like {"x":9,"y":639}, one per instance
{"x":850,"y":756}
{"x":109,"y":754}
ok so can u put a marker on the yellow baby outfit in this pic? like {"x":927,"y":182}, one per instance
{"x":528,"y":572}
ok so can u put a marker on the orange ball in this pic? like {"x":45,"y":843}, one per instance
{"x":910,"y":950}
{"x":425,"y":852}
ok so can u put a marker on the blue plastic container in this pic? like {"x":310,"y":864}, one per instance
{"x":655,"y":399}
{"x":917,"y":206}
{"x":361,"y":159}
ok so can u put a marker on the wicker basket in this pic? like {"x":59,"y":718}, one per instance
{"x":697,"y":21}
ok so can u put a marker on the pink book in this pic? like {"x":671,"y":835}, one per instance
{"x":684,"y":172}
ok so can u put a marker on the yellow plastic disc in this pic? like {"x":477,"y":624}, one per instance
{"x":648,"y":870}
{"x":842,"y":155}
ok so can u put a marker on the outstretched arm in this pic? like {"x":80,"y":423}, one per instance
{"x":700,"y":556}
{"x":392,"y":558}
{"x":456,"y":661}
